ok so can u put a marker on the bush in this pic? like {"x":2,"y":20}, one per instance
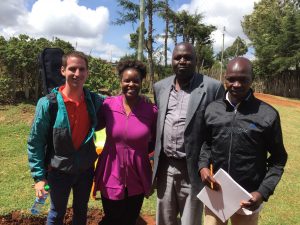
{"x":6,"y":93}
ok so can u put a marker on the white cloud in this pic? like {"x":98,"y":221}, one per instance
{"x":126,"y":37}
{"x":222,"y":13}
{"x":81,"y":26}
{"x":55,"y":17}
{"x":11,"y":12}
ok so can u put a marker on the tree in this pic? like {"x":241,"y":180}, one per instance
{"x":173,"y":29}
{"x":273,"y":28}
{"x":290,"y":41}
{"x":102,"y":77}
{"x":238,"y":48}
{"x":166,"y":13}
{"x":133,"y":44}
{"x":141,"y":30}
{"x":130,"y":13}
{"x":64,"y":45}
{"x":19,"y":55}
{"x":205,"y":56}
{"x":191,"y":29}
{"x":19,"y":60}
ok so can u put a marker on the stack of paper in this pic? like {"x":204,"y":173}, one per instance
{"x":225,"y":202}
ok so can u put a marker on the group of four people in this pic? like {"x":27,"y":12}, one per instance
{"x":194,"y":123}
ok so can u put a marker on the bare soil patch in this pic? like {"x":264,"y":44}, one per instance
{"x":272,"y":99}
{"x":94,"y":216}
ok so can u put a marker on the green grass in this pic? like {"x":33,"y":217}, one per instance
{"x":283,"y":207}
{"x":15,"y":180}
{"x":16,"y":192}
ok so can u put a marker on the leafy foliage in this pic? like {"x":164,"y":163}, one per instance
{"x":274,"y":28}
{"x":19,"y":68}
{"x":6,"y":89}
{"x":18,"y":57}
{"x":238,"y":48}
{"x":205,"y":57}
{"x":102,"y":77}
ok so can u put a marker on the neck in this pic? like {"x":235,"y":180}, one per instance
{"x":74,"y":94}
{"x":234,"y":101}
{"x":179,"y":83}
{"x":131,"y":102}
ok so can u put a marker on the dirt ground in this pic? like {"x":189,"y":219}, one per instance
{"x":276,"y":100}
{"x":94,"y":216}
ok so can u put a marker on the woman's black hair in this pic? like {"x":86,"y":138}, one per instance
{"x":132,"y":64}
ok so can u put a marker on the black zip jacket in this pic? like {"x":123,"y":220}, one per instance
{"x":245,"y":141}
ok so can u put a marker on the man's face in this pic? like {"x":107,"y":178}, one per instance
{"x":76,"y":72}
{"x":184,"y":61}
{"x":238,"y":79}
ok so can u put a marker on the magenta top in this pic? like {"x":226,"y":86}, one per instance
{"x":124,"y":161}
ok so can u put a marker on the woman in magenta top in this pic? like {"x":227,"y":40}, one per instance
{"x":123,"y":172}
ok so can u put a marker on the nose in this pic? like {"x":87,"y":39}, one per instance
{"x":130,"y":83}
{"x":236,"y":84}
{"x":182,"y":60}
{"x":77,"y":72}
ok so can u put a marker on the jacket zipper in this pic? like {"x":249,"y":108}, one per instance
{"x":125,"y":155}
{"x":231,"y":138}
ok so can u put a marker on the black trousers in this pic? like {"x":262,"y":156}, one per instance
{"x":121,"y":212}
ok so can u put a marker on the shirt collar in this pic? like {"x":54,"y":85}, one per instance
{"x":186,"y":87}
{"x":67,"y":99}
{"x":235,"y":106}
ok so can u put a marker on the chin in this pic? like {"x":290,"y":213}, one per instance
{"x":129,"y":96}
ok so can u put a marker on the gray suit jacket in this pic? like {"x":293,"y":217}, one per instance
{"x":204,"y":91}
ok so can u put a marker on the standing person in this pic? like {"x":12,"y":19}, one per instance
{"x":181,"y":101}
{"x":68,"y":162}
{"x":123,"y":171}
{"x":244,"y":138}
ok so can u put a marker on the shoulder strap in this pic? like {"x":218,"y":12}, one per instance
{"x":52,"y":108}
{"x":53,"y":113}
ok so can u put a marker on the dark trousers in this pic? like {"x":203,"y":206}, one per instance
{"x":122,"y":212}
{"x":60,"y":187}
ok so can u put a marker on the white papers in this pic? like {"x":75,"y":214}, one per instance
{"x":225,"y":202}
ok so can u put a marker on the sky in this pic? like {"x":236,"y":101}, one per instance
{"x":87,"y":24}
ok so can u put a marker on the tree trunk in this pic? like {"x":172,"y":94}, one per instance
{"x":36,"y":87}
{"x":14,"y":84}
{"x":166,"y":33}
{"x":150,"y":44}
{"x":26,"y":85}
{"x":141,"y":30}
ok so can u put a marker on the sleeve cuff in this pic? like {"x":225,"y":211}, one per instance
{"x":265,"y":192}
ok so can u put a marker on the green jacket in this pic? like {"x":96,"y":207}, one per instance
{"x":56,"y":148}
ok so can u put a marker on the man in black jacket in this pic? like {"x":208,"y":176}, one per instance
{"x":241,"y":131}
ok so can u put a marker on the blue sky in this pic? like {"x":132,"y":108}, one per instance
{"x":87,"y":24}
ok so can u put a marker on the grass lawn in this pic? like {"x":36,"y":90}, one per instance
{"x":16,"y":192}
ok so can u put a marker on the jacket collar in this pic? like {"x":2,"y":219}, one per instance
{"x":248,"y":98}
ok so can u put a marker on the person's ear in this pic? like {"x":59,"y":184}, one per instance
{"x":63,"y":71}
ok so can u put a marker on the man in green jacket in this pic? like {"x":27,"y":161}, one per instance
{"x":61,"y":150}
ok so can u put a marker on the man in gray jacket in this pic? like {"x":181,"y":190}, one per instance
{"x":181,"y":99}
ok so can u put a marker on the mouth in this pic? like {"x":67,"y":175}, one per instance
{"x":182,"y":67}
{"x":131,"y":91}
{"x":237,"y":92}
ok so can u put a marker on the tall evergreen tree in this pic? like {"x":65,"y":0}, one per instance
{"x":273,"y":28}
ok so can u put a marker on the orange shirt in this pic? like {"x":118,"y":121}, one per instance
{"x":78,"y":118}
